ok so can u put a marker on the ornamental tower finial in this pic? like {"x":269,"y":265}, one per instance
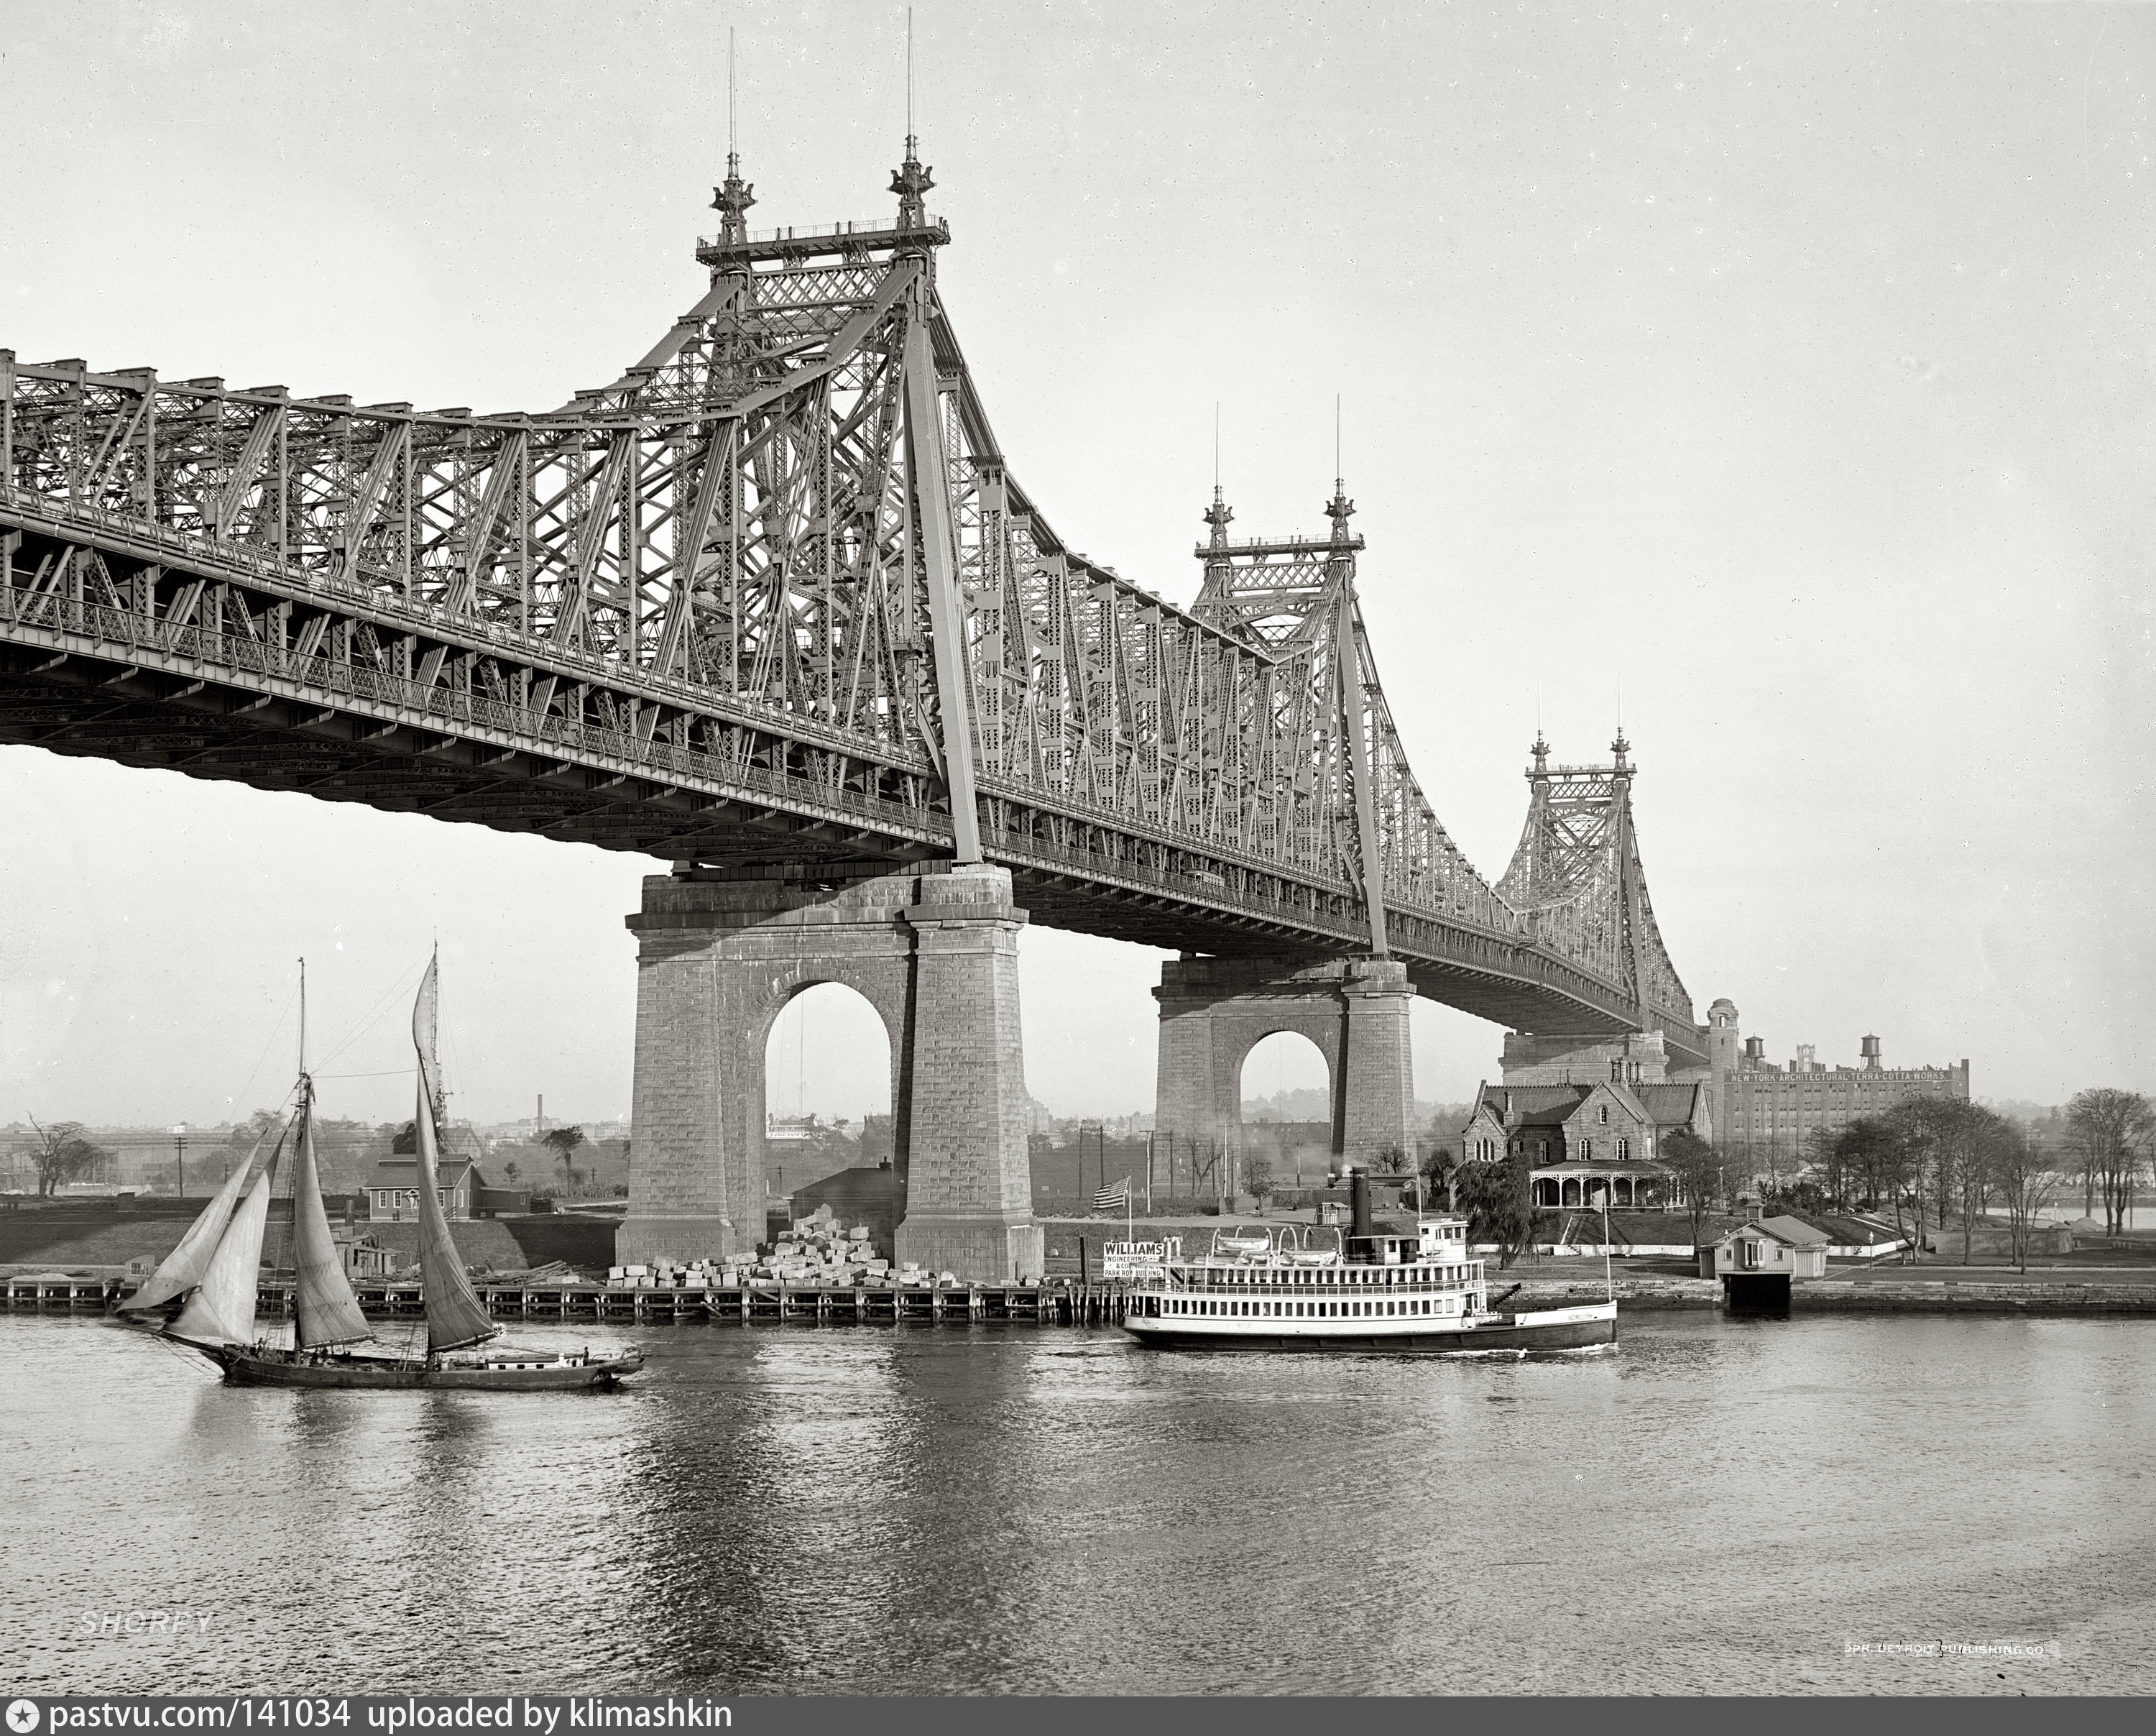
{"x":1218,"y":515}
{"x":910,"y":180}
{"x":1341,"y":507}
{"x":1340,"y":511}
{"x":733,"y":199}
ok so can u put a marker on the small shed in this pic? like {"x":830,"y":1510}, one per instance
{"x":1782,"y":1247}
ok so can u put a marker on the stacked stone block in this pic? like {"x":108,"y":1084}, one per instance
{"x":934,"y":953}
{"x":1214,"y":1011}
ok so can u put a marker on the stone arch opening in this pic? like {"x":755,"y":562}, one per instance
{"x":824,"y":1125}
{"x":1285,"y":1110}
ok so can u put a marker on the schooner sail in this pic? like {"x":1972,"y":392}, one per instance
{"x":455,"y":1315}
{"x":325,"y":1311}
{"x":183,"y":1269}
{"x":331,"y":1346}
{"x":221,"y":1310}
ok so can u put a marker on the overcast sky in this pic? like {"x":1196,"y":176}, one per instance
{"x":1790,"y":365}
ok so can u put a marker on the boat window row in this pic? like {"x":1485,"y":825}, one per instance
{"x":1234,"y":1307}
{"x":1386,"y":1277}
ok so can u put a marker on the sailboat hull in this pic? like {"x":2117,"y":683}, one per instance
{"x":262,"y":1366}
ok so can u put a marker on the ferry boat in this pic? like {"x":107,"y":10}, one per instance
{"x":1302,"y":1287}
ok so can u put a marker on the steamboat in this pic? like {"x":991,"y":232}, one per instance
{"x":1296,"y":1287}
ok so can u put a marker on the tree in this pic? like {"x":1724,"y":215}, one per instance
{"x":1823,"y":1148}
{"x":1258,"y":1179}
{"x":1896,"y":1162}
{"x":512,"y":1170}
{"x":2110,"y":1129}
{"x":1498,"y":1197}
{"x":564,"y":1141}
{"x":1948,"y":1139}
{"x":1697,"y":1167}
{"x":1441,"y":1171}
{"x":2023,"y":1176}
{"x":404,"y":1143}
{"x":64,"y":1153}
{"x":1867,"y":1154}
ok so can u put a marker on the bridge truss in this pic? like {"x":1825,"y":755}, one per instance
{"x":773,"y":599}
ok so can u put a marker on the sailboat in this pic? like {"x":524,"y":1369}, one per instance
{"x":182,"y":1271}
{"x":331,"y":1344}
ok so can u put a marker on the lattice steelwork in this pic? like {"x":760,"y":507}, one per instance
{"x":774,"y":596}
{"x":1576,"y":878}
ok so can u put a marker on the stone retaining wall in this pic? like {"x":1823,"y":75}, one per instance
{"x":1979,"y":1298}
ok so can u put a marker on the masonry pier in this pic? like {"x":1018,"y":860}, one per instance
{"x":934,"y":950}
{"x":1215,"y":1010}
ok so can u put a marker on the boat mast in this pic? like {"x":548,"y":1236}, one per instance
{"x":1609,"y":1284}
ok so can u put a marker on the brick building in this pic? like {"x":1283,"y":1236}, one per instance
{"x":1768,"y":1115}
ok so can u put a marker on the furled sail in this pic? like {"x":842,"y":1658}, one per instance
{"x":325,"y":1311}
{"x":221,"y":1311}
{"x":181,"y":1269}
{"x":455,"y":1315}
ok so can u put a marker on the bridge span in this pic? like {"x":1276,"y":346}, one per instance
{"x":773,"y":607}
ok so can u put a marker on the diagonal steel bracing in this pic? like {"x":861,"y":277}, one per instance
{"x":772,"y":595}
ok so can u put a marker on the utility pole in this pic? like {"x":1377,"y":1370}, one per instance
{"x":180,"y":1154}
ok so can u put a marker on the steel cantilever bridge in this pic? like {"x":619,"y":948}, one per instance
{"x":775,"y":596}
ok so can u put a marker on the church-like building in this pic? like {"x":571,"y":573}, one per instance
{"x":1589,"y":1119}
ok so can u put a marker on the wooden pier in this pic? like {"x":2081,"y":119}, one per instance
{"x":1035,"y":1304}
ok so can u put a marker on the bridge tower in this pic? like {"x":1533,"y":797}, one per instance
{"x":722,"y":949}
{"x":1295,"y":598}
{"x":1576,"y":878}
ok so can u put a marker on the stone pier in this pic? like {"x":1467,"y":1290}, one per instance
{"x":1214,"y":1011}
{"x":935,"y":952}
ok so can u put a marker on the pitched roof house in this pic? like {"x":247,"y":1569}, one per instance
{"x":1581,"y":1140}
{"x":1781,"y":1247}
{"x":392,"y":1193}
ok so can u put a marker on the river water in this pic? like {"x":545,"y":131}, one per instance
{"x":1718,"y":1505}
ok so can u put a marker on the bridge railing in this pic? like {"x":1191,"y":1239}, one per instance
{"x":882,"y":228}
{"x":377,"y":593}
{"x":139,"y":634}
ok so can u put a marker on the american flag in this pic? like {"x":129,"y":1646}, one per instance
{"x":1115,"y":1198}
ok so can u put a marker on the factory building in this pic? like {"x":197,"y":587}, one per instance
{"x":1768,"y":1113}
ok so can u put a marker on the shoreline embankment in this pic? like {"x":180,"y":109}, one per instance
{"x":2012,"y":1294}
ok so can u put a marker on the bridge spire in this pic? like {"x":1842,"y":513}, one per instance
{"x":732,"y":197}
{"x":911,"y":181}
{"x":1340,"y":510}
{"x":1217,"y":515}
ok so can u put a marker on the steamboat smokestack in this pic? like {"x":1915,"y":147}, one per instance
{"x":1358,"y":1195}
